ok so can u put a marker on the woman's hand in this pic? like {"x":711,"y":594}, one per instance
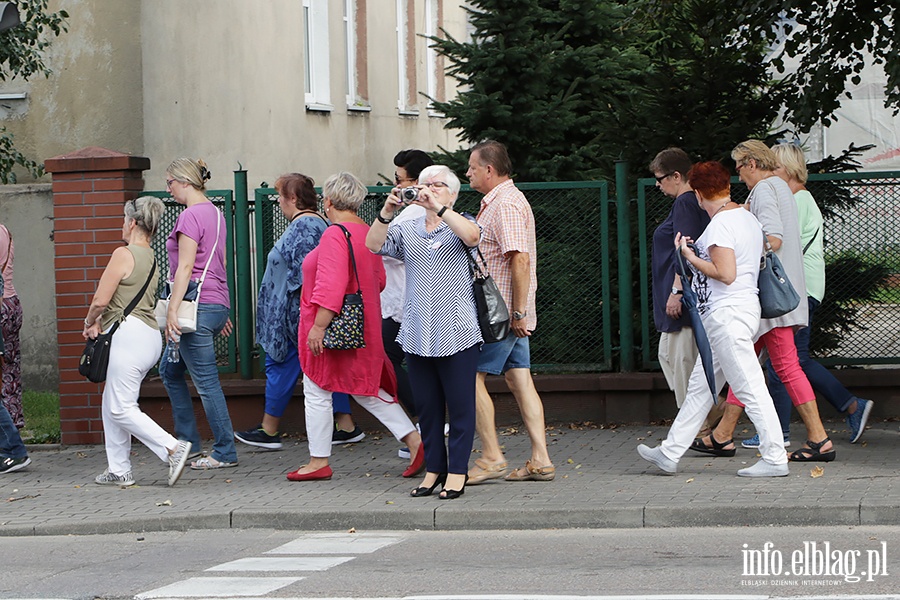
{"x":427,"y":200}
{"x":92,"y":331}
{"x":393,"y":202}
{"x":681,"y":242}
{"x":314,"y":339}
{"x":227,"y":328}
{"x":173,"y":330}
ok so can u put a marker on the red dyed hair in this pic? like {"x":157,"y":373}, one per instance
{"x":711,"y":179}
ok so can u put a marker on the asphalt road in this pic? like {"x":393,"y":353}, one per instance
{"x":700,"y":563}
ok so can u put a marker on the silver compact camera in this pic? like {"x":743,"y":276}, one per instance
{"x":409,"y":194}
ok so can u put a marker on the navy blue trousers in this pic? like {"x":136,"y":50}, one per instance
{"x":445,"y":386}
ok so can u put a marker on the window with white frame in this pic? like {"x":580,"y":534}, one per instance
{"x":357,"y":82}
{"x":406,"y":58}
{"x":315,"y":29}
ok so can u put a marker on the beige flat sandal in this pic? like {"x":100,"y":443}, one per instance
{"x":531,"y":473}
{"x":484,"y":471}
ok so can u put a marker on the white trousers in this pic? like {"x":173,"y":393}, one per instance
{"x":135,"y":349}
{"x":320,"y":421}
{"x":730,"y":331}
{"x":677,"y":355}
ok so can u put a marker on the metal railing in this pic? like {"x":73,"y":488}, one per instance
{"x":859,"y":318}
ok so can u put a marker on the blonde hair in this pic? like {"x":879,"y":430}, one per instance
{"x":755,"y":150}
{"x":345,"y":191}
{"x":146,"y":212}
{"x":190,"y":171}
{"x":791,"y":157}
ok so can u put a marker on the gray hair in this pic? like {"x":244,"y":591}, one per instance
{"x":444,"y":171}
{"x":345,"y":191}
{"x":146,"y":212}
{"x":190,"y":171}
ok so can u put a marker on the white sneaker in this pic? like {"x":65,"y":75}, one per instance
{"x":764,"y":469}
{"x":107,"y":478}
{"x":177,"y":461}
{"x":659,"y":459}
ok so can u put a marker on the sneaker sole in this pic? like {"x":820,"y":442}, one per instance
{"x":266,"y":445}
{"x":19,"y":466}
{"x":116,"y":483}
{"x":353,"y":440}
{"x":179,"y":470}
{"x":863,"y":421}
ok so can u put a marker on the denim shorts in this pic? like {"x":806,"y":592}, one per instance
{"x":499,"y":357}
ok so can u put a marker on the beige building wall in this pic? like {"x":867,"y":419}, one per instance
{"x":223,"y":80}
{"x":93,"y":96}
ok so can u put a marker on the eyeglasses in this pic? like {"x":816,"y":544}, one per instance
{"x":663,"y":177}
{"x":738,"y":167}
{"x":169,"y":182}
{"x":436,"y":184}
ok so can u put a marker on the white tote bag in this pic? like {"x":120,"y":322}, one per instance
{"x":187,"y":310}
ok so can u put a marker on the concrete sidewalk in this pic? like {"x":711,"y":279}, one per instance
{"x":601,"y":482}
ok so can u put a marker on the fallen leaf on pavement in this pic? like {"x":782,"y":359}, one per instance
{"x":690,"y":480}
{"x":570,"y":461}
{"x":816,"y":472}
{"x":164,"y":503}
{"x":351,"y":530}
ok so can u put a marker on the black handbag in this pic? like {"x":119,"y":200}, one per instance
{"x":95,"y":358}
{"x":347,"y":328}
{"x":777,"y":297}
{"x":493,"y":315}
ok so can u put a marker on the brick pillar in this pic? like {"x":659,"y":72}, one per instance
{"x":90,"y":187}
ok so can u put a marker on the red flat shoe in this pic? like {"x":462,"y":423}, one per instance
{"x":418,"y":465}
{"x":319,"y":474}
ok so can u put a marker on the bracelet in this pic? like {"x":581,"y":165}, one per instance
{"x":441,"y":212}
{"x":87,"y":323}
{"x":382,"y":219}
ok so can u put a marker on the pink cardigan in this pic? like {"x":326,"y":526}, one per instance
{"x":327,"y":277}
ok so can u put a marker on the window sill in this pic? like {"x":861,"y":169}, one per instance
{"x":408,"y":113}
{"x":318,"y":107}
{"x":361,"y":108}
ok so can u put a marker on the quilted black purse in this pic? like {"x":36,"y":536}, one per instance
{"x":346,"y":330}
{"x":95,"y":358}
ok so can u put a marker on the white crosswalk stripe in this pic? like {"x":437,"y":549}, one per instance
{"x":300,"y":549}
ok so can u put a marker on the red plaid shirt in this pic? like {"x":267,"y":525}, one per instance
{"x":508,"y":226}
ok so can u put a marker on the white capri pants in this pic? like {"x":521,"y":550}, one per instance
{"x":134,"y":350}
{"x":320,"y":422}
{"x":730,"y":330}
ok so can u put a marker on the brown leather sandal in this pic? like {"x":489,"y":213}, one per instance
{"x":531,"y":473}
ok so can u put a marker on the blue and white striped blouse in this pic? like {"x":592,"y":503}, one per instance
{"x":439,"y":317}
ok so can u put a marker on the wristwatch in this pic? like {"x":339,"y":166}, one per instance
{"x":518,"y":316}
{"x":676,"y":291}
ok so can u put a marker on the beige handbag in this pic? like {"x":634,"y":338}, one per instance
{"x":187,"y":310}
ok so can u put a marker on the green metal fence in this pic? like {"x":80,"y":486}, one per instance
{"x":573,"y":298}
{"x":226,"y":347}
{"x":862,"y":251}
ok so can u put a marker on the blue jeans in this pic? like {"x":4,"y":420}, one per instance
{"x":11,"y":445}
{"x":198,"y":356}
{"x":821,"y":379}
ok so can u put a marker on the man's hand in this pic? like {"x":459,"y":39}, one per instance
{"x":673,"y":306}
{"x":519,"y":328}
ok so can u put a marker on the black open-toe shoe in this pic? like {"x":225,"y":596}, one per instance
{"x":717,"y":449}
{"x":447,"y":494}
{"x":427,"y":491}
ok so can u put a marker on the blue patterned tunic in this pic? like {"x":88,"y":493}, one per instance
{"x":278,"y":304}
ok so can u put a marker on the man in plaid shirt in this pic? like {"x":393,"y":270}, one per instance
{"x":509,"y":247}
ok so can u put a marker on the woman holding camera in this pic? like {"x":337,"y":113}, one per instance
{"x":134,"y":349}
{"x":440,"y":332}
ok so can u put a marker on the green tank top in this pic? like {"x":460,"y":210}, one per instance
{"x":130,"y":286}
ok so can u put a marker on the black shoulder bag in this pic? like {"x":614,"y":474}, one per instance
{"x":493,"y":315}
{"x":345,"y":332}
{"x":95,"y":358}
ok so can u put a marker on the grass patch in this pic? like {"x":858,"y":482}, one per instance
{"x":41,"y":417}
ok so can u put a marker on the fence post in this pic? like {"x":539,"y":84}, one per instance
{"x":623,"y":237}
{"x":244,"y":293}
